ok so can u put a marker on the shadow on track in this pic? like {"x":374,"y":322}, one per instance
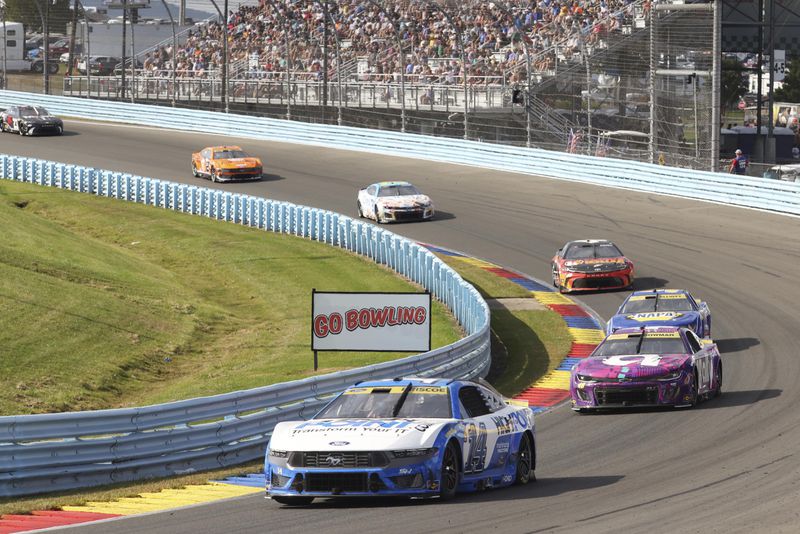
{"x":443,"y":216}
{"x":736,"y":344}
{"x":543,"y":487}
{"x":649,"y":282}
{"x":740,"y":398}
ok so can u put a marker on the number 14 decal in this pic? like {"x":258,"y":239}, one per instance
{"x":475,"y":446}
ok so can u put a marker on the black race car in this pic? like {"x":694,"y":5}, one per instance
{"x":30,"y":120}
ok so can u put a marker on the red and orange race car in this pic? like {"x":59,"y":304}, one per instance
{"x":225,"y":163}
{"x":591,"y":264}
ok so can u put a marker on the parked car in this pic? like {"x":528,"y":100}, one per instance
{"x":98,"y":65}
{"x":118,"y":66}
{"x":788,"y":173}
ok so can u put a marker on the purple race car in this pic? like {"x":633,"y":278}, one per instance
{"x":647,"y":366}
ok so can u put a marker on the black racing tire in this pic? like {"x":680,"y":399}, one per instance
{"x":293,"y":501}
{"x":3,"y":127}
{"x":194,"y":170}
{"x":360,"y":213}
{"x":449,"y":477}
{"x":38,"y":67}
{"x":213,"y":174}
{"x":524,"y":462}
{"x":23,"y":128}
{"x":718,"y":373}
{"x":695,"y":389}
{"x":377,"y":215}
{"x":554,"y":275}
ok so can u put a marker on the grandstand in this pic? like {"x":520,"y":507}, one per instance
{"x":547,"y":73}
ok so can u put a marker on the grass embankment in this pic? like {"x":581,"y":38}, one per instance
{"x":535,"y":341}
{"x":107,"y":304}
{"x":202,"y":306}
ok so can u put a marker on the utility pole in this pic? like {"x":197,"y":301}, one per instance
{"x":324,"y":59}
{"x":46,"y":63}
{"x":182,"y":13}
{"x":5,"y":70}
{"x":124,"y":50}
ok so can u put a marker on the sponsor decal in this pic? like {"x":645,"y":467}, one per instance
{"x":339,"y":443}
{"x":645,"y":360}
{"x":504,"y":423}
{"x":360,"y":425}
{"x":333,"y":460}
{"x":416,"y":390}
{"x":654,"y":316}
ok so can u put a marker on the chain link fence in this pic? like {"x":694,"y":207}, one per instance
{"x":619,"y":78}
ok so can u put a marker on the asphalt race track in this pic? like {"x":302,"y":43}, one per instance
{"x":730,"y":465}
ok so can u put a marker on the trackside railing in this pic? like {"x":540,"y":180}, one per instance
{"x":63,"y":451}
{"x":766,"y":194}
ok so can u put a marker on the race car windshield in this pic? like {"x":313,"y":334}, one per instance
{"x":398,"y":191}
{"x":32,"y":111}
{"x":636,"y":345}
{"x":675,"y":303}
{"x":381,"y":403}
{"x":585,"y":251}
{"x":229,"y":154}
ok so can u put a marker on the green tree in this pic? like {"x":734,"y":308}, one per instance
{"x":790,"y":92}
{"x":25,"y":11}
{"x":733,"y":83}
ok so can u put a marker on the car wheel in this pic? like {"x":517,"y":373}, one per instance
{"x":377,"y":215}
{"x":52,"y":68}
{"x":555,"y":276}
{"x":707,"y":330}
{"x":695,"y":389}
{"x":194,"y":170}
{"x":213,"y":174}
{"x":718,"y":376}
{"x":449,"y":477}
{"x":3,"y":126}
{"x":524,"y":462}
{"x":293,"y":501}
{"x":38,"y":67}
{"x":23,"y":129}
{"x":360,"y":213}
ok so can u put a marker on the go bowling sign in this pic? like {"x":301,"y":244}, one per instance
{"x":374,"y":322}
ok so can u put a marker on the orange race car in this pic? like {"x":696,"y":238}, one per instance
{"x":225,"y":163}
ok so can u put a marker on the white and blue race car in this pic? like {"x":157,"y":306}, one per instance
{"x":394,"y":202}
{"x":662,"y":307}
{"x":406,"y":438}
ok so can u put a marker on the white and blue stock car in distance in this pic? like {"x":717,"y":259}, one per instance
{"x":405,"y":438}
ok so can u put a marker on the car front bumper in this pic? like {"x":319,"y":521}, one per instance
{"x":415,"y":480}
{"x":577,"y":281}
{"x":407,"y":214}
{"x":229,"y":175}
{"x":631,"y":394}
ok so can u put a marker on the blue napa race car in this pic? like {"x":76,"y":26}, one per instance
{"x":663,"y":307}
{"x":406,"y":438}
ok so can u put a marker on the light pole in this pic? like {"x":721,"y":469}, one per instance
{"x":174,"y":54}
{"x":285,"y":18}
{"x":459,"y":38}
{"x":45,"y":16}
{"x":223,"y":15}
{"x":5,"y":40}
{"x":399,"y":40}
{"x":338,"y":71}
{"x":527,"y":45}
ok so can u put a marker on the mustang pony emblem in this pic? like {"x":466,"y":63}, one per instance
{"x":333,"y":460}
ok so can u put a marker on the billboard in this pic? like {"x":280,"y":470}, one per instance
{"x":374,"y":322}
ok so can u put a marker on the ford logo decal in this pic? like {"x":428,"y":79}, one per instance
{"x":334,"y":460}
{"x":339,"y":443}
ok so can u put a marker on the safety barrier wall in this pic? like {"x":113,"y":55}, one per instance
{"x":52,"y":452}
{"x":724,"y":188}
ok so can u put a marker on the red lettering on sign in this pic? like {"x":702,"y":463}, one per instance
{"x":351,"y":319}
{"x":335,"y":323}
{"x":321,"y":325}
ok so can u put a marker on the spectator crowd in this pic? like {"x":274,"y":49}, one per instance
{"x":494,"y":37}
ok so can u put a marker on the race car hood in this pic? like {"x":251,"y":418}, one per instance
{"x":238,"y":163}
{"x":356,"y":434}
{"x":405,"y":201}
{"x":635,"y":366}
{"x":41,"y":118}
{"x":628,"y":320}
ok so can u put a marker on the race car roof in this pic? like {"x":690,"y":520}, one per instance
{"x":651,"y":292}
{"x":224,"y":147}
{"x":391,"y":183}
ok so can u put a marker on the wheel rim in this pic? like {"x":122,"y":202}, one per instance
{"x":449,"y":470}
{"x":524,"y":461}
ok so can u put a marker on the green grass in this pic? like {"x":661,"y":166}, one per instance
{"x":108,"y":304}
{"x":534,"y":341}
{"x":33,"y":82}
